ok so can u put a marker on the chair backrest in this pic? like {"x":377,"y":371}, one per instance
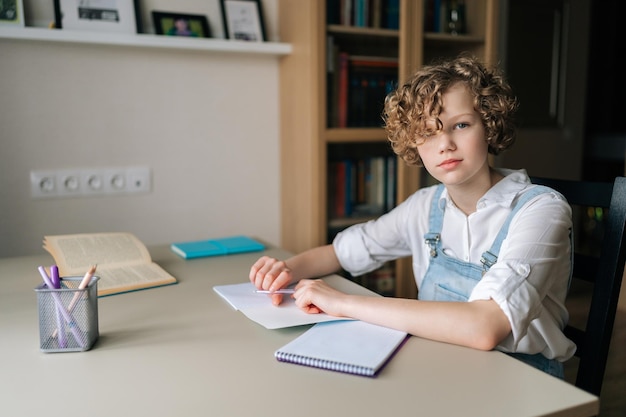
{"x":603,"y":269}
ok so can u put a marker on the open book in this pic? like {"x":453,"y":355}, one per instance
{"x":124,"y":263}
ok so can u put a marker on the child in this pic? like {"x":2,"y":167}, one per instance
{"x":490,"y":250}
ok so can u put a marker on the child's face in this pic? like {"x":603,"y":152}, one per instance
{"x":459,"y":152}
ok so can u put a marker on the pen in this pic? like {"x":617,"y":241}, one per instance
{"x":282,"y":291}
{"x":60,"y":330}
{"x":56,"y":280}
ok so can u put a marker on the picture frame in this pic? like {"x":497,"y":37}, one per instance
{"x":180,"y":24}
{"x":98,"y":15}
{"x":243,"y":20}
{"x":12,"y":13}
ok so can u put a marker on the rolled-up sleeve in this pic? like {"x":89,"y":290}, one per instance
{"x":351,"y":248}
{"x":399,"y":233}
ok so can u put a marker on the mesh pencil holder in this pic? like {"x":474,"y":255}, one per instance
{"x":68,"y":317}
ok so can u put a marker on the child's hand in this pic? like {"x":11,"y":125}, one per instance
{"x":315,"y":296}
{"x":270,"y":274}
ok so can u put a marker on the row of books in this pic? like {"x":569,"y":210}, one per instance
{"x":357,"y":87}
{"x":361,"y":187}
{"x":445,"y":16}
{"x":364,"y":13}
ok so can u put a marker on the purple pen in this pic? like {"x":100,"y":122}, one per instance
{"x":60,"y":332}
{"x":54,"y":276}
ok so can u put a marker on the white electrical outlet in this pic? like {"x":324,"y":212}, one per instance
{"x":42,"y":184}
{"x":89,"y":182}
{"x":68,"y":183}
{"x":114,"y":180}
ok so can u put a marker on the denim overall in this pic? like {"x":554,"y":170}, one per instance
{"x":451,"y":279}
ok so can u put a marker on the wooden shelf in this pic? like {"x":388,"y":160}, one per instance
{"x":344,"y":222}
{"x":362,"y":31}
{"x":146,"y":41}
{"x":446,"y":37}
{"x":372,"y":134}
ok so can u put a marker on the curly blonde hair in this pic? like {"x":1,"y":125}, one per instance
{"x":411,"y":106}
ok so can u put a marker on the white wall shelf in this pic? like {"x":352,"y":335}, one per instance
{"x":146,"y":41}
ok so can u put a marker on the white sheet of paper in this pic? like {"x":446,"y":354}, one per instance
{"x":259,"y":308}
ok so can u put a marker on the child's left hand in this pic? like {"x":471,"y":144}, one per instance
{"x":315,"y":296}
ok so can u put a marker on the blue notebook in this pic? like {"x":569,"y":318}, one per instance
{"x":216,"y":247}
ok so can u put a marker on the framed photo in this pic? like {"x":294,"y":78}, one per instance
{"x":243,"y":20}
{"x":120,"y":16}
{"x":178,"y":24}
{"x":11,"y":13}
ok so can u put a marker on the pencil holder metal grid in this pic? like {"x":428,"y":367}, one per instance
{"x":68,"y":317}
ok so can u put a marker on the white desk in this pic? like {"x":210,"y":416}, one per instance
{"x":182,"y":351}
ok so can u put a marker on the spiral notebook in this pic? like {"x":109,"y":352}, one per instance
{"x":353,"y":347}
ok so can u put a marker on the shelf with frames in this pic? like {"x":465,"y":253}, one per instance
{"x":308,"y":144}
{"x":209,"y":45}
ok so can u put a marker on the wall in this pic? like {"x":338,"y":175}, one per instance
{"x":205,"y":123}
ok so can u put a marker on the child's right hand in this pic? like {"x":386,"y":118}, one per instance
{"x":270,"y":274}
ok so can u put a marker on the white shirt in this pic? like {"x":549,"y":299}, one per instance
{"x":530,"y":279}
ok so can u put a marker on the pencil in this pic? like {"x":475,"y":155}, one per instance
{"x":283,"y":291}
{"x":83,"y":284}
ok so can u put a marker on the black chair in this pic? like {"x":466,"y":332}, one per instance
{"x":602,"y":270}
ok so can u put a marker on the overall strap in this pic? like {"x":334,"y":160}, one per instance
{"x":435,"y":222}
{"x":491,"y":256}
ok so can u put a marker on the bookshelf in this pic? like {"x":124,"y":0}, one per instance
{"x":312,"y":141}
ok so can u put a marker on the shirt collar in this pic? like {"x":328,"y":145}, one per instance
{"x":503,"y":193}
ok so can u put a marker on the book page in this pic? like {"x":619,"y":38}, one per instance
{"x":132,"y":277}
{"x":74,"y":254}
{"x":259,"y":308}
